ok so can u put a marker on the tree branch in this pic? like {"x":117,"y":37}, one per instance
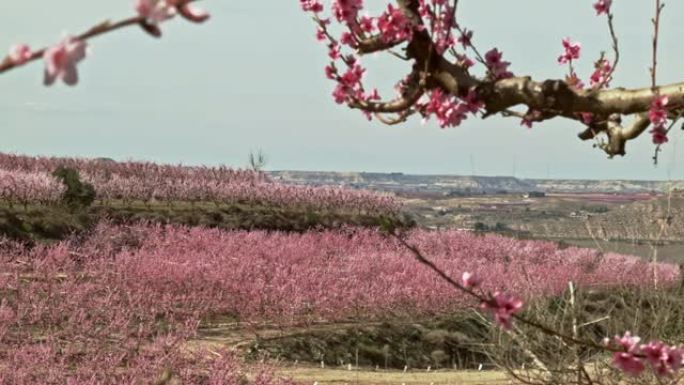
{"x":374,"y":44}
{"x":100,"y":29}
{"x":95,"y":31}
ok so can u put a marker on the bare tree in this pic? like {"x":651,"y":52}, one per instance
{"x":257,"y":160}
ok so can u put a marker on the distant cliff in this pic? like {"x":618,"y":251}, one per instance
{"x":457,"y":184}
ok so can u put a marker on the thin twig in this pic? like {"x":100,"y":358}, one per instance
{"x":658,"y":148}
{"x":524,"y":320}
{"x":616,"y":52}
{"x":99,"y":29}
{"x":656,"y":28}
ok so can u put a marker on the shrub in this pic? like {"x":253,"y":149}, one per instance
{"x":78,"y":194}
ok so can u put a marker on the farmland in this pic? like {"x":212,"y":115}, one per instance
{"x":628,"y":223}
{"x":196,"y":273}
{"x":144,"y":282}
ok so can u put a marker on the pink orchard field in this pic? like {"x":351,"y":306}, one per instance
{"x":133,"y":296}
{"x":25,"y":180}
{"x":300,"y":278}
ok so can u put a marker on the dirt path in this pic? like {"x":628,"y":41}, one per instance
{"x":238,"y":335}
{"x":309,"y":375}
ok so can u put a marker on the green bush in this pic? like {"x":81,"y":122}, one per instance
{"x":78,"y":194}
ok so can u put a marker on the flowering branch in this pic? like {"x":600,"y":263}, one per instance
{"x":11,"y":62}
{"x":470,"y":282}
{"x":451,"y":91}
{"x":601,"y":74}
{"x":61,"y":59}
{"x":628,"y":355}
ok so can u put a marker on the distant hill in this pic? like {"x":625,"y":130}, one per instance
{"x":606,"y":186}
{"x":457,"y":184}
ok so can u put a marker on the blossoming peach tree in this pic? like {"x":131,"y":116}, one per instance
{"x":450,"y":79}
{"x":443,"y":84}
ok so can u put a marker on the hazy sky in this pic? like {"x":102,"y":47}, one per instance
{"x":253,"y":78}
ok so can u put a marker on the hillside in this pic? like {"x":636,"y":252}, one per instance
{"x":49,"y":198}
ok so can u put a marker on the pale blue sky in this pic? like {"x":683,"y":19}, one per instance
{"x":252,"y":78}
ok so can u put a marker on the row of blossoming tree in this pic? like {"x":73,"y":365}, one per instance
{"x":123,"y":295}
{"x":26,"y":180}
{"x":442,"y":84}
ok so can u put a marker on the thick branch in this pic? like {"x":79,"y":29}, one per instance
{"x":617,"y":134}
{"x":400,"y":118}
{"x":543,"y":99}
{"x":557,"y":95}
{"x":374,"y":44}
{"x":397,"y":105}
{"x":412,"y":94}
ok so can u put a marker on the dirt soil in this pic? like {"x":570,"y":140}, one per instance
{"x":310,"y":375}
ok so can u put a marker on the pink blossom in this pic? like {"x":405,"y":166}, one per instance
{"x":504,"y":306}
{"x":20,"y":54}
{"x":497,"y":67}
{"x":441,"y":23}
{"x":320,"y":34}
{"x":654,"y":351}
{"x":330,"y":72}
{"x":190,"y":12}
{"x":472,"y":102}
{"x":628,"y":342}
{"x":347,"y":10}
{"x":659,"y":135}
{"x":628,"y":363}
{"x":394,"y":25}
{"x":470,"y":280}
{"x":669,"y":364}
{"x":349,"y":85}
{"x":334,"y":51}
{"x":353,"y":75}
{"x":664,"y":360}
{"x":602,"y":6}
{"x":314,"y":6}
{"x":367,"y":24}
{"x":374,"y":95}
{"x":572,"y":51}
{"x":530,"y":118}
{"x":629,"y":360}
{"x":446,"y":108}
{"x":671,"y":359}
{"x":574,"y":81}
{"x":347,"y":39}
{"x":464,"y":60}
{"x":61,"y":59}
{"x":602,"y":73}
{"x":466,"y":38}
{"x":658,"y":116}
{"x":154,"y":11}
{"x":658,"y":112}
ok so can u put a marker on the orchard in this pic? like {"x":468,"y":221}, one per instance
{"x":450,"y":78}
